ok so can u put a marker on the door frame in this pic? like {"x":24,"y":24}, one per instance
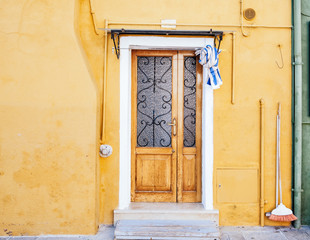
{"x":180,"y":164}
{"x":162,"y":43}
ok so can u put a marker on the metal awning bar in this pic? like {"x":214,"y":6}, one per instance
{"x":115,"y":34}
{"x":166,"y":32}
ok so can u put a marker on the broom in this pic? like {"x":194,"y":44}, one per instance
{"x":280,"y":213}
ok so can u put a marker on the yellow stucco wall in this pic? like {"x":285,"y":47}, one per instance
{"x":48,"y":122}
{"x":236,"y":127}
{"x":50,"y":102}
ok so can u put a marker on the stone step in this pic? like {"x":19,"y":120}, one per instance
{"x":166,"y":211}
{"x":166,"y":230}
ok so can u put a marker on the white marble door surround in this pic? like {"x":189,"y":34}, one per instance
{"x":163,"y":43}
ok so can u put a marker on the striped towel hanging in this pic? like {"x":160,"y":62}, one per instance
{"x":209,"y":59}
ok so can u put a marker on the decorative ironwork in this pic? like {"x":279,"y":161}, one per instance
{"x":154,"y":101}
{"x":189,"y":133}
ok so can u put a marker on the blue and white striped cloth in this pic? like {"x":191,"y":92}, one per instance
{"x":209,"y":59}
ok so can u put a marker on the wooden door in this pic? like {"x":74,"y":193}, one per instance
{"x":166,"y":127}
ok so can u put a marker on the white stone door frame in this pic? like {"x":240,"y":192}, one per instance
{"x":164,"y":43}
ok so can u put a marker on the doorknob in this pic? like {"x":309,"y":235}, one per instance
{"x":174,"y":125}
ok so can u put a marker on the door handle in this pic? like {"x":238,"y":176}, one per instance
{"x":174,"y":126}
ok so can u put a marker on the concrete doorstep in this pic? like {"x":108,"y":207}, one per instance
{"x":166,"y":230}
{"x":106,"y":232}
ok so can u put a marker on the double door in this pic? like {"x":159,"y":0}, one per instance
{"x":166,"y":127}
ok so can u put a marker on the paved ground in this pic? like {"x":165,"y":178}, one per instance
{"x":264,"y":233}
{"x":105,"y":233}
{"x":227,"y":233}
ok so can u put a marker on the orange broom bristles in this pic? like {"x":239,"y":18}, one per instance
{"x":283,"y":218}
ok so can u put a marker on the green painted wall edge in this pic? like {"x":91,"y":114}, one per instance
{"x":305,"y":195}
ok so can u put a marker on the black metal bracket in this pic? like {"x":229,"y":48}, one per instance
{"x":115,"y":35}
{"x":115,"y":38}
{"x":218,"y":38}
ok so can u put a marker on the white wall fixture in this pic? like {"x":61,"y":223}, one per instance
{"x":168,"y":23}
{"x":105,"y":151}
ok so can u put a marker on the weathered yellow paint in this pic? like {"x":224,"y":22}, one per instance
{"x":50,"y":94}
{"x":48,"y":131}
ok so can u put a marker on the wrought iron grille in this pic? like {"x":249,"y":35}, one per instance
{"x":189,"y":102}
{"x":154,"y":101}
